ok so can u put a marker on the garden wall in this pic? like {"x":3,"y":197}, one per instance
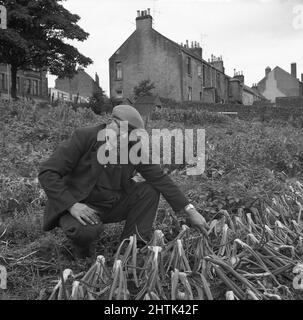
{"x":263,"y":112}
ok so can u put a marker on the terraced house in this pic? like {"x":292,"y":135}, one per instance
{"x":31,"y":84}
{"x":178,"y":71}
{"x":279,"y":83}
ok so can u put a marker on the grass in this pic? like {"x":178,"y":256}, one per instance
{"x":248,"y":164}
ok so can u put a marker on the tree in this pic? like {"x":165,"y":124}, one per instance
{"x":35,"y":38}
{"x":97,"y":101}
{"x":144,"y":88}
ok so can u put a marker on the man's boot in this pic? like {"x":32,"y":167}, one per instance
{"x":82,"y":252}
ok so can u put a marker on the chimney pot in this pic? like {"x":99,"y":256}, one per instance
{"x":138,"y":13}
{"x":294,"y":70}
{"x":302,"y":77}
{"x":143,"y":21}
{"x":148,"y":11}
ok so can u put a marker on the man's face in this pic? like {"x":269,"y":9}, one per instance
{"x":117,"y":131}
{"x":114,"y":124}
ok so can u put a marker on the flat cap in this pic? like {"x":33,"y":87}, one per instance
{"x":130,"y":114}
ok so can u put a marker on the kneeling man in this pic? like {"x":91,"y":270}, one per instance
{"x":83,"y":194}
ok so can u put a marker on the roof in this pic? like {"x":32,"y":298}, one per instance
{"x":247,"y":88}
{"x":276,"y":68}
{"x":187,"y":51}
{"x":177,"y":45}
{"x":254,"y":91}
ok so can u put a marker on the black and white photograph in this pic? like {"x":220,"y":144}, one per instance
{"x":151,"y":151}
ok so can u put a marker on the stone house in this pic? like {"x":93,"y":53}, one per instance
{"x":279,"y":83}
{"x":81,"y":86}
{"x":31,"y":83}
{"x":178,"y":71}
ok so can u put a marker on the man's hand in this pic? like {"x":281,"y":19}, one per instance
{"x":197,"y":220}
{"x":84,"y":214}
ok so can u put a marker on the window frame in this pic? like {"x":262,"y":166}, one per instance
{"x":200,"y":70}
{"x":27,"y":87}
{"x":3,"y":81}
{"x":189,"y":66}
{"x":118,"y":71}
{"x":204,"y":75}
{"x":35,"y":90}
{"x":190,"y":93}
{"x":117,"y":94}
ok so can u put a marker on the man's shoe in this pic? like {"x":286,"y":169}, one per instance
{"x":82,"y":252}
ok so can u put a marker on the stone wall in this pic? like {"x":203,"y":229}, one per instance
{"x":290,"y":102}
{"x":265,"y":112}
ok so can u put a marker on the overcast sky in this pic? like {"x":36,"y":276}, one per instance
{"x":249,"y":34}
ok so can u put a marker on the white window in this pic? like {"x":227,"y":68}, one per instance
{"x":190,"y":93}
{"x":188,"y":63}
{"x":119,"y":71}
{"x":199,"y":71}
{"x":119,"y":94}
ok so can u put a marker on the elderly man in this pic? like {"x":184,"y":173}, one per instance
{"x":83,"y":194}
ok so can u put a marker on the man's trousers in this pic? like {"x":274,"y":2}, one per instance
{"x":138,"y":208}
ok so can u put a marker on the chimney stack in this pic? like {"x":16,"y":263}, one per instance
{"x":267,"y":71}
{"x":294,"y":70}
{"x":97,"y":79}
{"x":144,"y":20}
{"x":240,"y":76}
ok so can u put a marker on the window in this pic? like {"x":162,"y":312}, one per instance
{"x":190,"y":93}
{"x":3,"y":81}
{"x":218,"y":80}
{"x":119,"y":94}
{"x":27,"y":86}
{"x":18,"y":84}
{"x":118,"y":70}
{"x":35,"y":88}
{"x":199,"y":71}
{"x":204,"y":76}
{"x":188,"y":63}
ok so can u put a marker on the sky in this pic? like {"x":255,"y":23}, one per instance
{"x":249,"y":34}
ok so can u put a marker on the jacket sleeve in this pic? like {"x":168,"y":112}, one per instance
{"x":154,"y":175}
{"x":52,"y":171}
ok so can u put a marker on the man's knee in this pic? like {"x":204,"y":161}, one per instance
{"x":78,"y":233}
{"x":146,"y":190}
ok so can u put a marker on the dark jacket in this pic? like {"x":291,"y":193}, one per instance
{"x":71,"y":173}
